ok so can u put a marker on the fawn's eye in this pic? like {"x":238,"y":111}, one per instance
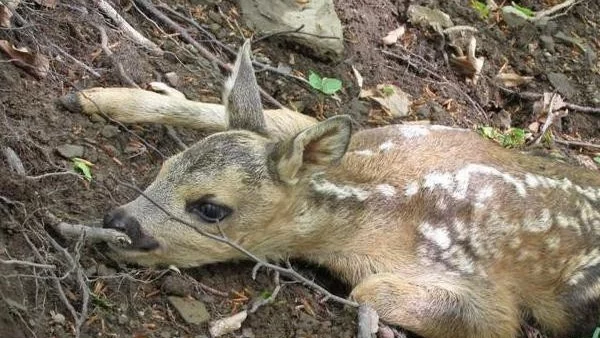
{"x":208,"y":212}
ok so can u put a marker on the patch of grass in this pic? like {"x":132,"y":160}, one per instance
{"x":528,"y":12}
{"x":482,"y":9}
{"x":597,"y":160}
{"x":325,"y":85}
{"x":83,"y":166}
{"x":512,"y":138}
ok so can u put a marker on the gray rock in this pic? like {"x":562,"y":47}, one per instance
{"x":70,"y":150}
{"x":176,"y":285}
{"x":562,"y":84}
{"x":172,"y":79}
{"x":103,"y":270}
{"x":547,"y":42}
{"x":317,"y":17}
{"x":513,"y":17}
{"x":109,"y":131}
{"x":435,"y":18}
{"x":192,"y":311}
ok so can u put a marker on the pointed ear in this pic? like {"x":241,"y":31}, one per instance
{"x":322,"y":144}
{"x":241,"y":95}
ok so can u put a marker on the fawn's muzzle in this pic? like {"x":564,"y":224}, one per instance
{"x":119,"y":220}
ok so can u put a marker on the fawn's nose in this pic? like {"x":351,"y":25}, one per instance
{"x":119,"y":220}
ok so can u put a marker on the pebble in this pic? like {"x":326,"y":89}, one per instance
{"x":177,"y":286}
{"x":70,"y":150}
{"x":172,"y":79}
{"x":191,"y":311}
{"x":109,"y":131}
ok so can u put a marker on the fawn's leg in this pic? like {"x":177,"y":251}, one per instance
{"x":435,"y":306}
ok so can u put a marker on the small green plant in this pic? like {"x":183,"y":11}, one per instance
{"x":511,"y":138}
{"x":388,"y":90}
{"x":325,"y":85}
{"x":528,"y":12}
{"x":83,"y":166}
{"x":597,"y":160}
{"x":481,"y":8}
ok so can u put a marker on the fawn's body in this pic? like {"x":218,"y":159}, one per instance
{"x":440,"y":231}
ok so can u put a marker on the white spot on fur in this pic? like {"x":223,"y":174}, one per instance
{"x":485,"y":193}
{"x":464,"y":175}
{"x":457,"y":257}
{"x":365,"y":152}
{"x":439,"y":236}
{"x":531,"y":180}
{"x":386,"y":190}
{"x":444,"y":180}
{"x":460,"y":229}
{"x":553,"y":242}
{"x":538,"y":224}
{"x":515,"y":243}
{"x":411,"y":189}
{"x":387,"y":146}
{"x":326,"y":187}
{"x":409,"y":131}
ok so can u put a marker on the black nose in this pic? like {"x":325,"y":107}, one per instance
{"x":119,"y":220}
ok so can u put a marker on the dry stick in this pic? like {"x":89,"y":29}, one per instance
{"x":26,"y":263}
{"x":536,"y":96}
{"x":203,"y":51}
{"x":549,"y":120}
{"x":261,"y":66}
{"x":79,"y":63}
{"x":554,"y":9}
{"x":91,"y":234}
{"x":106,"y":8}
{"x":289,"y":271}
{"x":577,"y":144}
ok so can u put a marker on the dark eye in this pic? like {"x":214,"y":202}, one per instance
{"x":209,"y":212}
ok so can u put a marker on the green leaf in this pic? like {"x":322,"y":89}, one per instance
{"x":388,"y":90}
{"x":488,"y":132}
{"x":265,"y":294}
{"x":524,"y":10}
{"x":315,"y":80}
{"x":83,"y":166}
{"x":481,"y":8}
{"x":597,"y":160}
{"x":330,"y":86}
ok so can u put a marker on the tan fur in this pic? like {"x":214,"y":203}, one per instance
{"x":442,"y":232}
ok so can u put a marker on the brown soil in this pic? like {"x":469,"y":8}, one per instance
{"x":132,"y":302}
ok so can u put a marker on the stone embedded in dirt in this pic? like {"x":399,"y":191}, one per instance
{"x":109,"y":131}
{"x":562,"y":84}
{"x":172,"y":79}
{"x":176,"y":285}
{"x":317,"y":18}
{"x":513,"y":17}
{"x":70,"y":150}
{"x":435,"y":18}
{"x":548,"y":42}
{"x":191,"y":311}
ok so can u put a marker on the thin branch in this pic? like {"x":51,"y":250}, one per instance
{"x":77,"y":62}
{"x":113,"y":60}
{"x":536,"y":96}
{"x":577,"y":144}
{"x":201,"y":49}
{"x":26,"y":263}
{"x":289,"y":271}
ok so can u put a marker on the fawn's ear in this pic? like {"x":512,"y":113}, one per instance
{"x":241,"y":95}
{"x":322,"y":144}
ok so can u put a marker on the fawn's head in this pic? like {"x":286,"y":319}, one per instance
{"x":236,"y":183}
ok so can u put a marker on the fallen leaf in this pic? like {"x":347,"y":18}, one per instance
{"x":34,"y":63}
{"x":228,"y":324}
{"x":359,"y":78}
{"x":393,"y":36}
{"x":469,"y":64}
{"x":393,"y":99}
{"x":513,"y":80}
{"x":6,"y":11}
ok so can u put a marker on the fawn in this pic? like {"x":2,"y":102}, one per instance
{"x":440,"y":231}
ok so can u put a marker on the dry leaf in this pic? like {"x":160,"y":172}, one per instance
{"x":393,"y":36}
{"x":469,"y":64}
{"x":228,"y":324}
{"x":359,"y":78}
{"x":6,"y":11}
{"x":513,"y":79}
{"x":395,"y":101}
{"x":34,"y":63}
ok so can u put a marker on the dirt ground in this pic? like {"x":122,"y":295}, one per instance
{"x":129,"y":301}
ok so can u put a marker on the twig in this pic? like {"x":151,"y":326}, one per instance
{"x":536,"y":96}
{"x":577,"y":144}
{"x":201,"y":49}
{"x":289,"y":271}
{"x":109,"y":53}
{"x":91,"y":234}
{"x":25,"y":263}
{"x":551,"y":116}
{"x":263,"y":301}
{"x":46,"y":175}
{"x":79,"y":63}
{"x":541,"y":14}
{"x":106,"y":8}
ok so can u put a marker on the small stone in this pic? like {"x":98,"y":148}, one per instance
{"x":109,"y":131}
{"x":172,"y":79}
{"x":123,"y":319}
{"x":432,"y":17}
{"x":513,"y":17}
{"x":215,"y":28}
{"x":247,"y":333}
{"x":562,"y":84}
{"x":176,"y":285}
{"x":58,"y":318}
{"x":70,"y":150}
{"x":191,"y":311}
{"x":96,"y":118}
{"x":548,"y":43}
{"x":166,"y":334}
